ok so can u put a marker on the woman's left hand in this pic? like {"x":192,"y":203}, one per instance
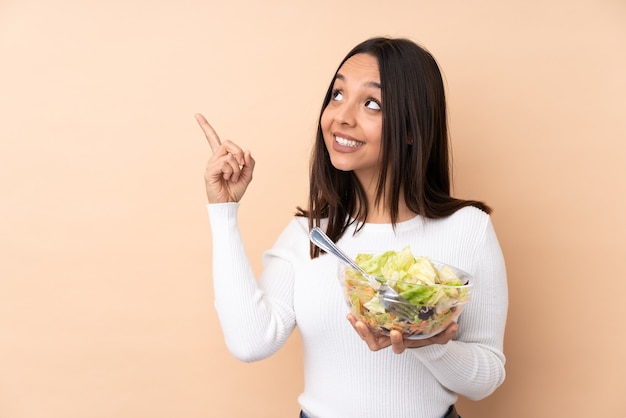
{"x":395,"y":340}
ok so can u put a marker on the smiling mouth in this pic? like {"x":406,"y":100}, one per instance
{"x":347,"y":142}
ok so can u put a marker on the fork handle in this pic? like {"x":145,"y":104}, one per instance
{"x":319,"y":238}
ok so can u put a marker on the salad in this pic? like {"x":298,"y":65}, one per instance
{"x":437,"y":290}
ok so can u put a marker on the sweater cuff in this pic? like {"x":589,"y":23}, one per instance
{"x":222,"y":216}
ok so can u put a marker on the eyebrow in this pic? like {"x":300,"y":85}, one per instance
{"x":371,"y":84}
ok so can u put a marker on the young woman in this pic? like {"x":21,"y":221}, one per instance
{"x":380,"y":180}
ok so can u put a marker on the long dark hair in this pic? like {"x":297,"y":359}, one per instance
{"x":415,"y":148}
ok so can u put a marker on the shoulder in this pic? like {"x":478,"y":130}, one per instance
{"x":468,"y":224}
{"x":465,"y":237}
{"x":470,"y":214}
{"x":467,"y":217}
{"x":294,"y":239}
{"x":298,"y":226}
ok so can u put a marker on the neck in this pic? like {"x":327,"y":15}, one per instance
{"x":380,"y":213}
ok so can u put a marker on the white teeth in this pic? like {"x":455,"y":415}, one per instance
{"x":346,"y":142}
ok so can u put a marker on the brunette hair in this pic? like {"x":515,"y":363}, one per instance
{"x":415,"y":149}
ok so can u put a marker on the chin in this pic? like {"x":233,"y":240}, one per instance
{"x":341,"y":165}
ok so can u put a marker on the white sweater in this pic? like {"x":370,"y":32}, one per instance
{"x":343,"y":378}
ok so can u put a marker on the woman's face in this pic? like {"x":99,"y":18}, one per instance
{"x":352,"y":120}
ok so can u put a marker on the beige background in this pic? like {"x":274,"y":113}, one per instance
{"x":105,"y":291}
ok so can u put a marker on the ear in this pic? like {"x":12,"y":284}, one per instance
{"x":409,"y":140}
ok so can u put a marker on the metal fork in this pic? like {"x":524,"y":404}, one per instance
{"x":389,"y":298}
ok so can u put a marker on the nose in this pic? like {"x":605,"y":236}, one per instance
{"x":346,"y":114}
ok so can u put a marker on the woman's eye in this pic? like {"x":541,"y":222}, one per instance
{"x":337,"y":95}
{"x":372,"y":104}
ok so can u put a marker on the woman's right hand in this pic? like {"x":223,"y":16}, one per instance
{"x":229,"y":171}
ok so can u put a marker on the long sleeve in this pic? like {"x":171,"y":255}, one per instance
{"x":473,"y":364}
{"x":256,"y":321}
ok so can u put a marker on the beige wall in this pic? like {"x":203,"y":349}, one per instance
{"x":105,"y":291}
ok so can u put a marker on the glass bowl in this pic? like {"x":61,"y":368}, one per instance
{"x":439,"y":304}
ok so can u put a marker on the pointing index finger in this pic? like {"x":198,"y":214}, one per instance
{"x":211,"y":136}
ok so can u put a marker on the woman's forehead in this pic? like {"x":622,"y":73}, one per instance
{"x":360,"y":66}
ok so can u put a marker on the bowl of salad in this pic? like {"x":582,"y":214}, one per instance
{"x":439,"y":291}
